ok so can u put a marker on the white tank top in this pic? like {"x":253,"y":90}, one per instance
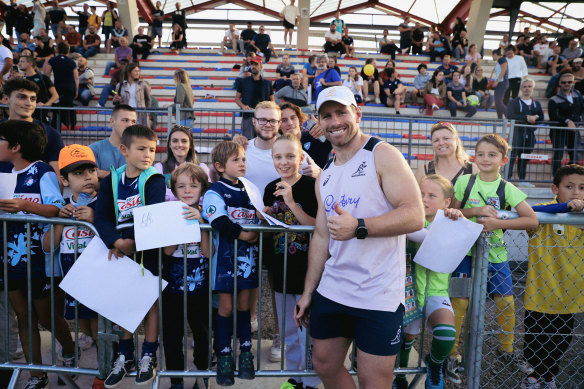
{"x":361,"y":273}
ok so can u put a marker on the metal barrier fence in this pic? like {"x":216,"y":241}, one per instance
{"x":553,"y":255}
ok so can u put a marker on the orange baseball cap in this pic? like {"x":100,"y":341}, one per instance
{"x":73,"y":156}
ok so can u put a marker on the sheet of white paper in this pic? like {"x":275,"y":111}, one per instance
{"x":446,"y":243}
{"x":116,"y":288}
{"x":258,"y":202}
{"x":163,"y":224}
{"x":7,"y":185}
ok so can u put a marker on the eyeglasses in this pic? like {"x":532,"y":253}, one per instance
{"x":566,"y":82}
{"x":263,"y":121}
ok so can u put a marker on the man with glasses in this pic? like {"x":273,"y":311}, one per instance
{"x":250,"y":91}
{"x":262,"y":43}
{"x":565,"y":107}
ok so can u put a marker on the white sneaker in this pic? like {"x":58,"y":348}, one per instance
{"x":530,"y":383}
{"x":435,"y":107}
{"x":275,"y":350}
{"x":377,"y":100}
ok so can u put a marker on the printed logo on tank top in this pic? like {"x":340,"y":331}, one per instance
{"x":241,"y":215}
{"x":125,"y":207}
{"x":326,"y":180}
{"x":344,"y":201}
{"x":360,"y":170}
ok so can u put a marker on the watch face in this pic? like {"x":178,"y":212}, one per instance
{"x":361,"y":232}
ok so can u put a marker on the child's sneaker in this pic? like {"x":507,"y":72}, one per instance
{"x":119,"y":371}
{"x":514,"y":359}
{"x":225,"y":367}
{"x":530,"y":383}
{"x":434,"y":378}
{"x":275,"y":354}
{"x":548,"y":384}
{"x":246,"y":367}
{"x":146,"y":370}
{"x":35,"y":382}
{"x":400,"y":382}
{"x":452,"y":369}
{"x":68,"y":362}
{"x":291,"y":384}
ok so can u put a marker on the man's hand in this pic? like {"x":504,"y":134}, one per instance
{"x":343,"y":226}
{"x":301,"y":317}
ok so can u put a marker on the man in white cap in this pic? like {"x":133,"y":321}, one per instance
{"x":368,"y":199}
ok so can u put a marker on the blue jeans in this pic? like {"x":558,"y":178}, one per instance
{"x":107,"y":30}
{"x":108,"y":67}
{"x":105,"y":93}
{"x":89,"y":52}
{"x":186,"y":122}
{"x":469,"y":109}
{"x":85,"y":96}
{"x":55,"y":29}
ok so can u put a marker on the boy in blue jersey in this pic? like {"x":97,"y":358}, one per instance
{"x":22,"y":144}
{"x":227,"y":206}
{"x":133,"y":185}
{"x":78,"y":170}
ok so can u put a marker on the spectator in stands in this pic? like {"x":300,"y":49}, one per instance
{"x":290,"y":13}
{"x":250,"y":92}
{"x":332,"y":63}
{"x":405,"y":35}
{"x":179,"y":16}
{"x":325,"y":76}
{"x":21,"y":100}
{"x":572,"y":51}
{"x":438,"y":46}
{"x":109,"y":17}
{"x":66,"y":78}
{"x":516,"y":69}
{"x":420,"y":82}
{"x":395,"y":91}
{"x":293,"y":93}
{"x":578,"y":72}
{"x":6,"y":59}
{"x":500,"y":82}
{"x":157,"y":18}
{"x":373,"y":81}
{"x":123,"y":51}
{"x":447,"y":68}
{"x":262,"y":43}
{"x":556,"y":62}
{"x":91,"y":43}
{"x":456,"y":96}
{"x":479,"y":88}
{"x":354,"y":82}
{"x":466,"y":79}
{"x":435,"y":92}
{"x":23,"y":21}
{"x":566,"y":108}
{"x":524,"y":49}
{"x":73,"y":39}
{"x":134,"y":91}
{"x":141,"y":44}
{"x":231,"y":40}
{"x":47,"y":93}
{"x":473,"y":58}
{"x":62,"y":31}
{"x":458,"y":28}
{"x":417,"y":39}
{"x":56,"y":15}
{"x":83,"y":18}
{"x":184,"y":97}
{"x":348,"y":43}
{"x":178,"y":39}
{"x":117,"y":33}
{"x":107,"y":151}
{"x":86,"y":90}
{"x":338,"y":22}
{"x":24,"y":41}
{"x":565,"y":39}
{"x":540,"y":50}
{"x":387,"y":46}
{"x":43,"y":52}
{"x":94,"y":19}
{"x":247,"y":36}
{"x":284,"y":71}
{"x":309,"y":72}
{"x":10,"y":14}
{"x":524,"y":110}
{"x":333,"y":40}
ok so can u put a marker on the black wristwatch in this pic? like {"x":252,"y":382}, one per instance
{"x":361,"y":230}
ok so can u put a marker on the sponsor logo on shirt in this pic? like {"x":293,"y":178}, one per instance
{"x":360,"y":170}
{"x":326,"y":180}
{"x":32,"y":197}
{"x":125,"y":207}
{"x":211,"y":210}
{"x":241,"y":215}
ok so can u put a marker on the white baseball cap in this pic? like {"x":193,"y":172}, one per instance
{"x":340,"y":94}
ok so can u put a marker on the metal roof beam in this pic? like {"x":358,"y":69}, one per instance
{"x":346,"y":10}
{"x":395,"y":11}
{"x":462,"y":9}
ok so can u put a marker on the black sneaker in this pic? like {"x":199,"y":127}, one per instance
{"x":400,"y":382}
{"x":119,"y":371}
{"x":35,"y":382}
{"x":225,"y":367}
{"x":246,"y":367}
{"x":146,"y":370}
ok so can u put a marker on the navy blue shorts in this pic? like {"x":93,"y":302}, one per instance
{"x":464,"y":268}
{"x":500,"y":281}
{"x":375,"y":332}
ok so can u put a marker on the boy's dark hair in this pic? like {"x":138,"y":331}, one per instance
{"x":195,"y":172}
{"x":18,"y":84}
{"x":31,"y":137}
{"x":65,"y":172}
{"x":497,"y":141}
{"x":137,"y":131}
{"x":567,"y":170}
{"x":123,"y":107}
{"x":223,"y":151}
{"x":497,"y":51}
{"x":422,"y":65}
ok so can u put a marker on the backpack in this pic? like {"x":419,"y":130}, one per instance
{"x":500,"y":193}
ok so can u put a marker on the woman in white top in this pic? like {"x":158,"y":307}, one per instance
{"x":516,"y":70}
{"x":473,"y":58}
{"x":355,"y":83}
